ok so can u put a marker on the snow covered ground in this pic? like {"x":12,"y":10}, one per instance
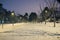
{"x":30,"y":31}
{"x":9,"y":27}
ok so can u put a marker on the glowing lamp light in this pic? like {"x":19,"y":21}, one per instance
{"x":12,"y":14}
{"x":46,"y":11}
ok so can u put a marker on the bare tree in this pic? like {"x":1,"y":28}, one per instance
{"x":52,"y":4}
{"x":41,"y":10}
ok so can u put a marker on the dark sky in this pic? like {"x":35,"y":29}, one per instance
{"x":22,"y":6}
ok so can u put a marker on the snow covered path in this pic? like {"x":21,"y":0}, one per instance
{"x":32,"y":31}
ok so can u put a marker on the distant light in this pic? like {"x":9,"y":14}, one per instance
{"x":46,"y":11}
{"x":12,"y":14}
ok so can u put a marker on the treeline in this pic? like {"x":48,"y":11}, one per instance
{"x":10,"y":17}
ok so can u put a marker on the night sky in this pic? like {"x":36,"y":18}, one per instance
{"x":22,"y":6}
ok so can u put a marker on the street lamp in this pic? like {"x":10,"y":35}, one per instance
{"x":45,"y":15}
{"x":12,"y":14}
{"x":2,"y":22}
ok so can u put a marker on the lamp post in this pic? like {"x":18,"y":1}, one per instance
{"x":12,"y":14}
{"x":2,"y":22}
{"x":45,"y":15}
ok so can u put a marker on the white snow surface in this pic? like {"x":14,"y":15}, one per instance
{"x":30,"y":31}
